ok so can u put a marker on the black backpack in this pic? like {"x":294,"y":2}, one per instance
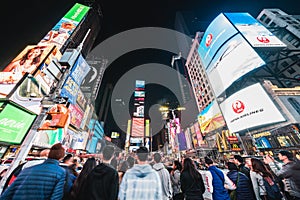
{"x":272,"y":189}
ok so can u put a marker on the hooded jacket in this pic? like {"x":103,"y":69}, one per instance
{"x":165,"y":180}
{"x":103,"y":184}
{"x":140,"y":182}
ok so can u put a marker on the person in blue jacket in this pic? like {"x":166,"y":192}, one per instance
{"x":39,"y":182}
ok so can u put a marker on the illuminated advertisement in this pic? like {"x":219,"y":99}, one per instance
{"x":81,"y":100}
{"x":137,"y":127}
{"x":58,"y":118}
{"x":46,"y":138}
{"x":139,"y":94}
{"x":188,"y":139}
{"x":61,"y":32}
{"x":70,"y":90}
{"x":182,"y":141}
{"x":263,"y":142}
{"x":235,"y":59}
{"x":80,"y":70}
{"x":217,"y":33}
{"x":198,"y":134}
{"x":140,"y":84}
{"x":76,"y":115}
{"x":194,"y":137}
{"x":14,"y":123}
{"x":85,"y":116}
{"x":256,"y":34}
{"x":210,"y":118}
{"x":242,"y":111}
{"x":26,"y":62}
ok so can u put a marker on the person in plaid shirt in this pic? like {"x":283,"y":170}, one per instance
{"x":141,"y":182}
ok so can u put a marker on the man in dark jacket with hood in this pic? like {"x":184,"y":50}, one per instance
{"x":103,"y":181}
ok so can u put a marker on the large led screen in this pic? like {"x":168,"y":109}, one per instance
{"x":26,"y":62}
{"x":137,"y":127}
{"x":217,"y":33}
{"x":256,"y":34}
{"x":248,"y":108}
{"x":14,"y":124}
{"x":61,"y":32}
{"x":234,"y":59}
{"x":210,"y":118}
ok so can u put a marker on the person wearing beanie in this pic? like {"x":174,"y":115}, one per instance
{"x":218,"y":182}
{"x":42,"y":181}
{"x":289,"y":171}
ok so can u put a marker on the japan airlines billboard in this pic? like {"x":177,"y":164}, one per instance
{"x":241,"y":111}
{"x":256,"y":34}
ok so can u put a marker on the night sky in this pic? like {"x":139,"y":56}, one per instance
{"x":26,"y":22}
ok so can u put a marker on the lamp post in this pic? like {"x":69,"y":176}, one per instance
{"x":167,"y":109}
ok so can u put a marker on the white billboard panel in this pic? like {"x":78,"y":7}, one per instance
{"x":256,"y":34}
{"x":248,"y":108}
{"x":234,"y":59}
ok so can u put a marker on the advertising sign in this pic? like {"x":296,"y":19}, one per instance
{"x":76,"y":115}
{"x":182,"y":141}
{"x":46,"y":138}
{"x":235,"y":59}
{"x":14,"y":124}
{"x":256,"y":34}
{"x":140,"y":84}
{"x":137,"y":127}
{"x":70,"y":90}
{"x":139,"y":94}
{"x":61,"y":32}
{"x":198,"y":134}
{"x":188,"y":139}
{"x":26,"y":62}
{"x":210,"y":118}
{"x":242,"y":111}
{"x":217,"y":33}
{"x":80,"y":70}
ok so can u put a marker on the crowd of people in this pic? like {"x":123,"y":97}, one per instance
{"x":142,"y":176}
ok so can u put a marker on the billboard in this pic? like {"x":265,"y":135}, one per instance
{"x":61,"y":32}
{"x":241,"y":111}
{"x":182,"y":141}
{"x":235,"y":59}
{"x":188,"y":139}
{"x":256,"y":34}
{"x":210,"y":118}
{"x":26,"y":62}
{"x":217,"y":33}
{"x":137,"y":127}
{"x":46,"y":138}
{"x":80,"y":70}
{"x":76,"y":115}
{"x":198,"y":134}
{"x":14,"y":123}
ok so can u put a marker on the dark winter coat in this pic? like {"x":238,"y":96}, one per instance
{"x":192,"y":189}
{"x":244,"y":190}
{"x":103,"y":184}
{"x":39,"y":182}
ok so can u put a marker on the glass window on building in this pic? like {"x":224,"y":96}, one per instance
{"x":295,"y":104}
{"x":263,"y":17}
{"x":268,"y":20}
{"x":290,"y":37}
{"x":291,"y":70}
{"x":275,"y":12}
{"x":284,"y":64}
{"x":272,"y":24}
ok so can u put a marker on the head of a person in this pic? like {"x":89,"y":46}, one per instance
{"x":157,"y":157}
{"x":238,"y":159}
{"x":108,"y":152}
{"x":208,"y":161}
{"x":130,"y":161}
{"x":56,"y":152}
{"x":177,"y":165}
{"x":142,"y":154}
{"x":188,"y":163}
{"x":285,"y":155}
{"x":68,"y":159}
{"x":88,"y":166}
{"x":231,"y":166}
{"x":259,"y":167}
{"x":33,"y":54}
{"x":124,"y":166}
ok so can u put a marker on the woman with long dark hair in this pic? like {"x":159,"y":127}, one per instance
{"x":175,"y":179}
{"x":192,"y":184}
{"x":80,"y":182}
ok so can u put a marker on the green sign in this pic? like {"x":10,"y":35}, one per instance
{"x":77,"y":12}
{"x":14,"y":124}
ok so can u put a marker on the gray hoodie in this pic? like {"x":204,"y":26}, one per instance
{"x":165,"y":180}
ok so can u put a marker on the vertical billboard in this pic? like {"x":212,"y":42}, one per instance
{"x":137,"y":127}
{"x":255,"y":33}
{"x":14,"y":123}
{"x":182,"y":141}
{"x":61,"y":32}
{"x":241,"y":111}
{"x":198,"y":134}
{"x":26,"y":62}
{"x":234,"y":59}
{"x":188,"y":139}
{"x":210,"y":118}
{"x":217,"y":33}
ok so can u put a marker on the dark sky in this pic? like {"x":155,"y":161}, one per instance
{"x":26,"y":22}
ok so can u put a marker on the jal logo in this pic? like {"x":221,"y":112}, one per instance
{"x":208,"y":40}
{"x":262,"y":39}
{"x":238,"y":106}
